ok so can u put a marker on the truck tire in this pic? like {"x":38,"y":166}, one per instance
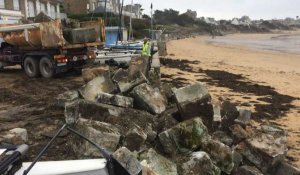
{"x":47,"y":67}
{"x":31,"y":67}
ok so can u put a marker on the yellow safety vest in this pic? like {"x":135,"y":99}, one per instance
{"x":146,"y":49}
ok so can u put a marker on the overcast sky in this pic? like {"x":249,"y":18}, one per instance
{"x":227,"y":9}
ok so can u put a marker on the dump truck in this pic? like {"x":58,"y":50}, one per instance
{"x":49,"y":48}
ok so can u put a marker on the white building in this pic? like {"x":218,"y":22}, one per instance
{"x":211,"y":21}
{"x":12,"y":11}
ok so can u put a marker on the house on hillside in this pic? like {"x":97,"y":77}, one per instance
{"x":112,"y":6}
{"x":135,"y":11}
{"x":245,"y":20}
{"x":211,"y":21}
{"x":235,"y":21}
{"x":12,"y":11}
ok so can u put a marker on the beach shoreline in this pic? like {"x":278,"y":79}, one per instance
{"x":278,"y":42}
{"x":270,"y":72}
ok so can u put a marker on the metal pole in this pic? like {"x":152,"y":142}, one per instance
{"x":120,"y":21}
{"x":130,"y":30}
{"x":151,"y":21}
{"x":105,"y":12}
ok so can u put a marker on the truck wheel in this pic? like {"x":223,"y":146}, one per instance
{"x":31,"y":67}
{"x":46,"y":67}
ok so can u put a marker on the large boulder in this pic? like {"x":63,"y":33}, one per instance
{"x":221,"y":154}
{"x":128,"y":160}
{"x":157,"y":164}
{"x":195,"y":101}
{"x":116,"y":100}
{"x":184,"y":137}
{"x":67,"y":97}
{"x":125,"y":83}
{"x":135,"y":138}
{"x":98,"y":85}
{"x":229,"y":113}
{"x":146,"y":98}
{"x":200,"y":163}
{"x":105,"y":135}
{"x":90,"y":110}
{"x":89,"y":73}
{"x":266,"y":149}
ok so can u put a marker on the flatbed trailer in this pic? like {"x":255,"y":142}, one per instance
{"x":41,"y":48}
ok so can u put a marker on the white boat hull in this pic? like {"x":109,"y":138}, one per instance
{"x":72,"y":167}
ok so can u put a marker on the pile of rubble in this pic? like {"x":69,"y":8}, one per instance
{"x":155,"y":129}
{"x":160,"y":130}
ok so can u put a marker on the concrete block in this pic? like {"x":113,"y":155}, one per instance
{"x":157,"y":164}
{"x":135,"y":139}
{"x":128,"y":161}
{"x":105,"y":135}
{"x":100,"y":84}
{"x":200,"y":163}
{"x":126,"y":84}
{"x":220,"y":154}
{"x":116,"y":100}
{"x":146,"y":98}
{"x":265,"y":151}
{"x":184,"y":137}
{"x":194,"y":100}
{"x":80,"y":35}
{"x":89,"y":110}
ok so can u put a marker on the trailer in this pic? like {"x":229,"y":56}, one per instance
{"x":46,"y":49}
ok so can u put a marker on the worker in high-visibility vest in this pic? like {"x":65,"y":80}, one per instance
{"x":146,"y":48}
{"x":146,"y":52}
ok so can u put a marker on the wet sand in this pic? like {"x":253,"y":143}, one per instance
{"x":267,"y":82}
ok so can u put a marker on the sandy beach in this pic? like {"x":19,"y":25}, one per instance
{"x":267,"y":82}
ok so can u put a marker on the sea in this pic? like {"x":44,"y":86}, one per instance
{"x":285,"y":43}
